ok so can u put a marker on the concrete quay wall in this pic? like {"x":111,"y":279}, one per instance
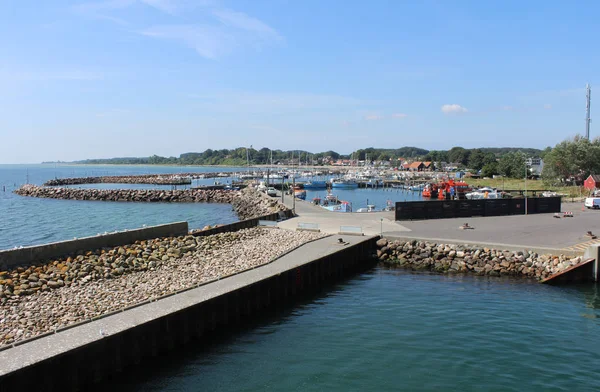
{"x":23,"y":256}
{"x":93,"y":351}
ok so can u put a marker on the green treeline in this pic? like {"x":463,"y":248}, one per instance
{"x":238,"y":156}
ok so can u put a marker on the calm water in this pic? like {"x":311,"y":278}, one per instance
{"x":395,"y":330}
{"x":362,"y":197}
{"x":383,"y":330}
{"x":28,"y":221}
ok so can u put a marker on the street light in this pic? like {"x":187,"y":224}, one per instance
{"x":525,"y":187}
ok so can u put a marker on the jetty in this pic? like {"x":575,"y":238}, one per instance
{"x":94,"y":350}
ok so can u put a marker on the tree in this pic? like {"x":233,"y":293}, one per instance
{"x":459,"y":155}
{"x":512,"y":165}
{"x":476,"y":159}
{"x":489,"y":169}
{"x":572,"y":159}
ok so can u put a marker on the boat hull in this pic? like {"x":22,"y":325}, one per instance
{"x":315,"y":185}
{"x":344,"y":185}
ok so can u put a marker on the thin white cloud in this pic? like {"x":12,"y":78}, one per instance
{"x":102,"y":10}
{"x":209,"y":41}
{"x":242,"y":21}
{"x":373,"y":117}
{"x":399,"y":115}
{"x":453,"y":108}
{"x":547,"y":106}
{"x":223,"y":31}
{"x":167,"y":6}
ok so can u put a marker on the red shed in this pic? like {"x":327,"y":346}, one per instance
{"x":592,"y":182}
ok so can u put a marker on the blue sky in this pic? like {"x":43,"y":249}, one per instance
{"x":140,"y":77}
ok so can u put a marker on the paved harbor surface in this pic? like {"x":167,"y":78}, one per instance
{"x":542,"y":231}
{"x":49,"y":346}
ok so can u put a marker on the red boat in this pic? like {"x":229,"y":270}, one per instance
{"x":430,"y":190}
{"x":450,"y":188}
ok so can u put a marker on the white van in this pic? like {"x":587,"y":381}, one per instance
{"x":592,"y":202}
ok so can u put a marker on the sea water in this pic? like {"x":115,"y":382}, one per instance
{"x":29,"y":220}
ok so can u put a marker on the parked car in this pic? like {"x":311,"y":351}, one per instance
{"x":271,"y":191}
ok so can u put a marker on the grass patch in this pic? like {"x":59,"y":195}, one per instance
{"x":532,"y":185}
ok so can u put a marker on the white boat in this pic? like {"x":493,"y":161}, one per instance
{"x":344,"y":206}
{"x":370,"y":208}
{"x":484,"y":193}
{"x":344,"y":184}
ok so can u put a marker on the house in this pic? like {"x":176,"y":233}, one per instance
{"x":416,"y":166}
{"x":428,"y":166}
{"x":592,"y":182}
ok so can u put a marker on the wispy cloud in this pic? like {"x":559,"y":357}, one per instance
{"x":103,"y":9}
{"x":399,"y":115}
{"x":222,"y":30}
{"x":167,"y":6}
{"x":209,"y":41}
{"x":373,"y":117}
{"x":547,"y":106}
{"x":213,"y":40}
{"x":453,"y":108}
{"x":242,"y":21}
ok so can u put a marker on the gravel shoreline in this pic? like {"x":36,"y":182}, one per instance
{"x":106,"y":280}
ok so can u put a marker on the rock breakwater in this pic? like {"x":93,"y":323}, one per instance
{"x":154,"y":179}
{"x":449,"y":258}
{"x":251,"y":203}
{"x":61,"y":292}
{"x":247,"y":203}
{"x":139,"y":195}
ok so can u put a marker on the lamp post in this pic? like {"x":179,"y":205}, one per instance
{"x":525,"y":187}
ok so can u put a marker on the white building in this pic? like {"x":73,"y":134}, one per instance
{"x":536,"y":165}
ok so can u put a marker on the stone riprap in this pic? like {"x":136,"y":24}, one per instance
{"x":139,"y":195}
{"x":247,"y":203}
{"x":250,"y":203}
{"x":61,"y":292}
{"x":450,"y":258}
{"x":154,"y":179}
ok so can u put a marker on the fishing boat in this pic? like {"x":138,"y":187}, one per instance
{"x":314,"y":184}
{"x":343,"y":206}
{"x":299,"y":193}
{"x":344,"y":184}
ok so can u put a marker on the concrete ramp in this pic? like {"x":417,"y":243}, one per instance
{"x":580,"y":273}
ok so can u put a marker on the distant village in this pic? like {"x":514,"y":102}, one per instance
{"x":405,"y":164}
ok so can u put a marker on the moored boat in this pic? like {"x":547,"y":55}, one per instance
{"x":344,"y":184}
{"x":314,"y":184}
{"x":300,"y":193}
{"x":343,"y":206}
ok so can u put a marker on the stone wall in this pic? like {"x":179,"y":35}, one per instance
{"x":452,"y":258}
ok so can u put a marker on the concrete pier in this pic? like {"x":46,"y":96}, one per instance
{"x":87,"y":353}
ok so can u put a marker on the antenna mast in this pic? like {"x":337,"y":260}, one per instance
{"x":588,"y":120}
